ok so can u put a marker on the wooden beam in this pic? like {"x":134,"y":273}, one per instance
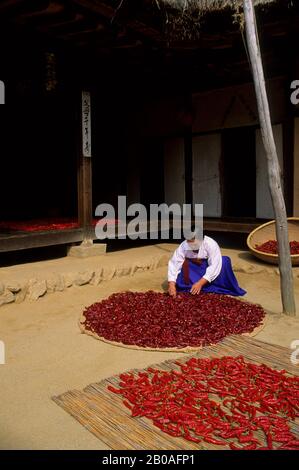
{"x":231,"y":227}
{"x":109,"y":12}
{"x":285,"y":264}
{"x":38,"y":239}
{"x":44,"y":11}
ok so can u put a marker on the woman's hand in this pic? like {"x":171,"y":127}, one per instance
{"x":172,"y":289}
{"x":197,"y":286}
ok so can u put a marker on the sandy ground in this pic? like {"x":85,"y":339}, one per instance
{"x":47,"y":355}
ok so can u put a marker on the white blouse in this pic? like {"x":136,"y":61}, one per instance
{"x":209,"y":249}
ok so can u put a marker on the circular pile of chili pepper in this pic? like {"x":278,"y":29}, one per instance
{"x":271,"y":247}
{"x":222,"y":401}
{"x":156,"y":320}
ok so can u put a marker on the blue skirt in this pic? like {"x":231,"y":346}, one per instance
{"x":225,"y":282}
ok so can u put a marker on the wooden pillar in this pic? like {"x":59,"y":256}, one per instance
{"x":296,"y":169}
{"x":296,"y":143}
{"x":285,"y":265}
{"x":85,"y":169}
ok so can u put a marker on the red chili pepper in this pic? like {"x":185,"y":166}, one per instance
{"x":217,"y":442}
{"x":271,"y":247}
{"x":114,"y":390}
{"x":191,"y":438}
{"x":127,"y":405}
{"x":249,"y":438}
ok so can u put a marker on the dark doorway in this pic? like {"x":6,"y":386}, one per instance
{"x":152,"y":172}
{"x":239,"y":172}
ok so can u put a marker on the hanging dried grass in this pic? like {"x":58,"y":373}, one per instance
{"x":184,"y":18}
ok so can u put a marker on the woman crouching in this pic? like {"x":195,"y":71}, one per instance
{"x":198,"y":266}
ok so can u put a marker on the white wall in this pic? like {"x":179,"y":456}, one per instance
{"x":236,"y":106}
{"x":206,"y":175}
{"x":264,"y":208}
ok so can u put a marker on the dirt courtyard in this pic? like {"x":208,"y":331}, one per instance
{"x":46,"y":355}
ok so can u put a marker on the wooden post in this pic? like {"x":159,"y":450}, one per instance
{"x":85,"y":170}
{"x":285,"y":265}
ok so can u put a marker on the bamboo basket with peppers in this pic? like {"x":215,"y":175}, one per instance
{"x":153,"y":321}
{"x":266,"y":233}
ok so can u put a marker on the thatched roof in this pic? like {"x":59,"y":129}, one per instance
{"x":184,"y":18}
{"x":208,"y":5}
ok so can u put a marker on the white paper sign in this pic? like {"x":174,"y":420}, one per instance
{"x":86,"y":126}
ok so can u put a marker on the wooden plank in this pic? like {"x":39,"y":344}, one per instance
{"x":39,"y":239}
{"x":223,"y":226}
{"x":22,"y":241}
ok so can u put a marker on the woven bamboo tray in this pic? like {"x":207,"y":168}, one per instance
{"x":188,"y":349}
{"x":266,"y":232}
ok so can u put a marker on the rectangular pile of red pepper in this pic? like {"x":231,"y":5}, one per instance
{"x":222,"y":401}
{"x":57,"y":223}
{"x":271,"y":247}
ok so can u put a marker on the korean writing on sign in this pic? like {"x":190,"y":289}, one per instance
{"x":86,"y":127}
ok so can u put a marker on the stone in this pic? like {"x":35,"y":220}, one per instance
{"x":13,"y":287}
{"x":51,"y":285}
{"x":139,"y":268}
{"x":60,"y":286}
{"x":88,"y":250}
{"x":83,"y":278}
{"x":6,"y":298}
{"x":97,"y":277}
{"x":123,"y":271}
{"x":108,"y":273}
{"x":55,"y":283}
{"x":68,"y":279}
{"x":2,"y":288}
{"x":20,"y":296}
{"x":36,"y":288}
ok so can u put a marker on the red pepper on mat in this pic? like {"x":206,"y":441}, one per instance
{"x":203,"y":401}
